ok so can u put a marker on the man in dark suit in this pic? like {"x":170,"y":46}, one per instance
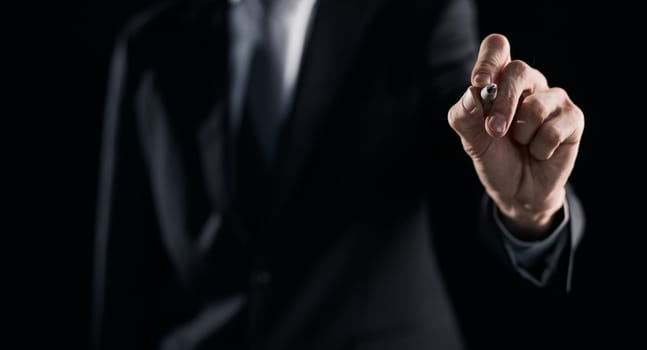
{"x":281,"y":175}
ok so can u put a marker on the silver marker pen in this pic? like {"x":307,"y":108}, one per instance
{"x":488,"y":93}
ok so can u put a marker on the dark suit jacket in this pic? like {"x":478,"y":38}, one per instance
{"x":372,"y":231}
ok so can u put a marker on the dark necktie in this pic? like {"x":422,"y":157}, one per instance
{"x":261,"y":119}
{"x":264,"y":89}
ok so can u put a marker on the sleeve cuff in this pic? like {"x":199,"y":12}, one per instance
{"x":535,"y":261}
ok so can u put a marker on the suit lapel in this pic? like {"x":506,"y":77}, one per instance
{"x":337,"y":29}
{"x":210,"y":59}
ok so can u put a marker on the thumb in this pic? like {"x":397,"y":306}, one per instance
{"x":466,"y":116}
{"x":494,"y":54}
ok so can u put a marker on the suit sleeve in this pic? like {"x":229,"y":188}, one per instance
{"x":452,"y":53}
{"x":497,"y":306}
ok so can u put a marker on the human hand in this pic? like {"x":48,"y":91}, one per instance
{"x":525,"y":144}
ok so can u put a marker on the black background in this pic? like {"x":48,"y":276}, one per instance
{"x":61,"y":58}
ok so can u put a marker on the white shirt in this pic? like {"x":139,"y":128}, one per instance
{"x":293,"y":23}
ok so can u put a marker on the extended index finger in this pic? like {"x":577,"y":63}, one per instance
{"x":494,"y":54}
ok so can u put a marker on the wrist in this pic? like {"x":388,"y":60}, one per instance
{"x":532,"y":222}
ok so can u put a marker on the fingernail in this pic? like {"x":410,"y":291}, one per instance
{"x":482,"y":79}
{"x":468,"y":102}
{"x":497,"y":124}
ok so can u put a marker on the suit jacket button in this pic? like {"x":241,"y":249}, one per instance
{"x":261,"y":277}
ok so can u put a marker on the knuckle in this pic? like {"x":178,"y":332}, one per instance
{"x":517,"y":68}
{"x":551,"y":136}
{"x":537,"y":111}
{"x":560,"y":92}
